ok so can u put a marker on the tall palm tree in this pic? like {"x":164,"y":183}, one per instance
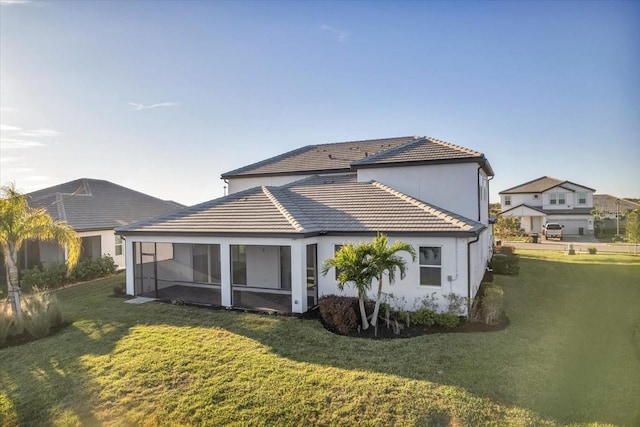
{"x":384,"y":261}
{"x":352,"y":262}
{"x":19,"y":223}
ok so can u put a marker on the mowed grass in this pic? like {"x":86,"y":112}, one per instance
{"x":568,"y":357}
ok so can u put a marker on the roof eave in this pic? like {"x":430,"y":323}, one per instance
{"x":476,"y":159}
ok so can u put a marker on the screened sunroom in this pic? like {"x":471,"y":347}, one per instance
{"x":259,"y":276}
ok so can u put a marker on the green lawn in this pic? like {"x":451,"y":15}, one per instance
{"x":568,"y":357}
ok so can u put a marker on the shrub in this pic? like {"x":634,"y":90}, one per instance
{"x":424,"y":317}
{"x":592,"y":250}
{"x":7,"y":322}
{"x":505,"y":261}
{"x":338,"y":313}
{"x":492,"y":304}
{"x":488,"y":306}
{"x":429,"y":302}
{"x":56,"y":275}
{"x":447,"y":320}
{"x":41,"y":312}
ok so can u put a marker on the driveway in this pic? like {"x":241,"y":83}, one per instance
{"x":580,"y":244}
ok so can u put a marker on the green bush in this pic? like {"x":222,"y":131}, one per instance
{"x":505,"y":261}
{"x":338,"y":313}
{"x":488,"y":306}
{"x":41,"y":312}
{"x":56,"y":276}
{"x":447,"y":320}
{"x":424,"y":317}
{"x":592,"y":250}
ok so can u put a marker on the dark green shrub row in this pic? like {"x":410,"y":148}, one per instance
{"x":488,"y":307}
{"x":424,"y":317}
{"x":56,"y":276}
{"x":505,"y":261}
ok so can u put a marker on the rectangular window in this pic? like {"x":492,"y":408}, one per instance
{"x":507,"y":200}
{"x":336,"y":248}
{"x":553,"y":199}
{"x":430,"y":266}
{"x":118,"y":250}
{"x":561,"y":199}
{"x":582,"y":198}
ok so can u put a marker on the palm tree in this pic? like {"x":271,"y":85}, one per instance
{"x":384,"y":261}
{"x":19,"y":223}
{"x":352,"y":262}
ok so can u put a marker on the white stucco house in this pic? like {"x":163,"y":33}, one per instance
{"x":93,"y":208}
{"x":262,"y":245}
{"x":544,"y":200}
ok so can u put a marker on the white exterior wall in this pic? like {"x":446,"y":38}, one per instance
{"x":571,"y":197}
{"x":263,"y":263}
{"x":519,"y":199}
{"x":52,"y":253}
{"x":450,"y":186}
{"x":454,"y":267}
{"x":241,"y":184}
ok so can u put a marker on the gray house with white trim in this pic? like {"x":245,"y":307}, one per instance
{"x":261,"y":246}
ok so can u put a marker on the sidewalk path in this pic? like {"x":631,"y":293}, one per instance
{"x":580,"y":244}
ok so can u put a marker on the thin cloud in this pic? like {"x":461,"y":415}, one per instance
{"x":340,"y":35}
{"x":11,"y":143}
{"x":7,"y":109}
{"x":41,"y":133}
{"x":16,"y":170}
{"x":140,"y":107}
{"x":8,"y":127}
{"x":13,"y":2}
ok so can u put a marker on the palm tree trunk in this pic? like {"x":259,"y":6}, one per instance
{"x":13,"y":285}
{"x":363,"y":313}
{"x":374,"y":317}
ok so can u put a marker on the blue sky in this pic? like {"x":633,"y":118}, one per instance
{"x":163,"y":97}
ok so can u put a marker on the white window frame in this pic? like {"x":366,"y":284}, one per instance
{"x":582,"y":198}
{"x":119,"y":246}
{"x":430,"y":266}
{"x":507,"y":200}
{"x":562,"y":199}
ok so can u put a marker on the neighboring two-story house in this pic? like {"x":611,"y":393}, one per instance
{"x":546,"y":200}
{"x":262,"y":246}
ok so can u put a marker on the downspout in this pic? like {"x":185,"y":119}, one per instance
{"x":479,"y":190}
{"x":469,"y":276}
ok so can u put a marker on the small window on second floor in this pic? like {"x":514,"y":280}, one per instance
{"x":561,"y":199}
{"x":507,"y":200}
{"x":553,"y":199}
{"x":582,"y":198}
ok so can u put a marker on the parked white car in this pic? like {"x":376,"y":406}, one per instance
{"x":552,"y":230}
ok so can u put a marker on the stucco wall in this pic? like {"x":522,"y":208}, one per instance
{"x":241,"y":184}
{"x":452,"y":186}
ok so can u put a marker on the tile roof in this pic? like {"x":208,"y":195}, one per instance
{"x":91,"y":204}
{"x":424,"y":150}
{"x":343,"y":156}
{"x":316,"y":205}
{"x":318,"y":158}
{"x":540,"y":185}
{"x":607,"y":203}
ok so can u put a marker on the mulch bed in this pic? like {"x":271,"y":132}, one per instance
{"x":24,"y":338}
{"x":417,"y":330}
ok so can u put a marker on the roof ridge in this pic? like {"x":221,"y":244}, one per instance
{"x":366,"y":140}
{"x":455,"y":146}
{"x":292,"y":220}
{"x":60,"y":206}
{"x":560,"y":182}
{"x":440,"y":213}
{"x":382,"y":153}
